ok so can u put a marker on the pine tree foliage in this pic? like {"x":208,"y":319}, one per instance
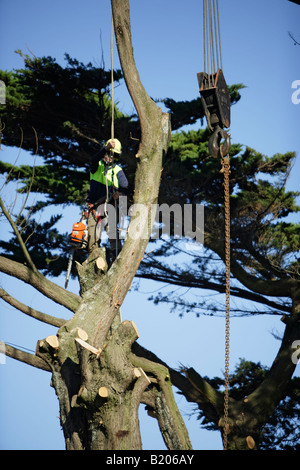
{"x":61,"y":115}
{"x":281,"y":432}
{"x":263,"y":239}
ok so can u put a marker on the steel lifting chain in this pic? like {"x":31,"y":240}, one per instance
{"x":226,"y":171}
{"x":222,"y":151}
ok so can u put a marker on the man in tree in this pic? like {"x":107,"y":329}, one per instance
{"x":107,"y":182}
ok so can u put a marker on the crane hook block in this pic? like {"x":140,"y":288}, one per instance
{"x":215,"y":99}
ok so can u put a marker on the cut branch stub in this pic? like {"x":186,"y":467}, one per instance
{"x":82,"y":334}
{"x":250,"y":442}
{"x":88,"y":346}
{"x":103,"y":392}
{"x":52,"y":340}
{"x":48,"y":348}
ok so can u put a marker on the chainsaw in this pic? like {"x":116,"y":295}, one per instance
{"x":78,"y":241}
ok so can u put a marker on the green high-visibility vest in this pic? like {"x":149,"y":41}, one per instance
{"x":109,"y":177}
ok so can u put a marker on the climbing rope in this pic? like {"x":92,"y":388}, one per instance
{"x":226,"y":171}
{"x":112,"y":131}
{"x":112,"y":78}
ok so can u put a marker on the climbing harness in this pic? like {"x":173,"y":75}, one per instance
{"x":215,"y":100}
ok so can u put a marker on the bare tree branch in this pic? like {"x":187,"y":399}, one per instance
{"x":19,"y":238}
{"x":182,"y":382}
{"x":7,"y":178}
{"x":38,"y":281}
{"x":44,"y":317}
{"x":163,"y":273}
{"x":276,"y":288}
{"x":280,"y":372}
{"x":29,"y":359}
{"x":31,"y":180}
{"x":296,"y":43}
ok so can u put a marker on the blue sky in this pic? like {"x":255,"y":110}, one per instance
{"x":167,"y":41}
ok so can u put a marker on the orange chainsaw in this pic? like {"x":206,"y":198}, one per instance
{"x":78,"y":241}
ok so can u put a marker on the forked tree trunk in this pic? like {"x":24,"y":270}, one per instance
{"x":98,"y":380}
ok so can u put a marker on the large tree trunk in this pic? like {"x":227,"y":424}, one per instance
{"x":100,"y":389}
{"x":97,"y":382}
{"x":99,"y":393}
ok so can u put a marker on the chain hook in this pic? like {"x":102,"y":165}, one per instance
{"x":214,"y":147}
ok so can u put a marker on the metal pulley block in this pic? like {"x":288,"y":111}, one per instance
{"x":215,"y":99}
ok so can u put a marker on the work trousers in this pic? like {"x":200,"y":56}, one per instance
{"x":104,"y":217}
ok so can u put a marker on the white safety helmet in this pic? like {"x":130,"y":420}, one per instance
{"x":118,"y":147}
